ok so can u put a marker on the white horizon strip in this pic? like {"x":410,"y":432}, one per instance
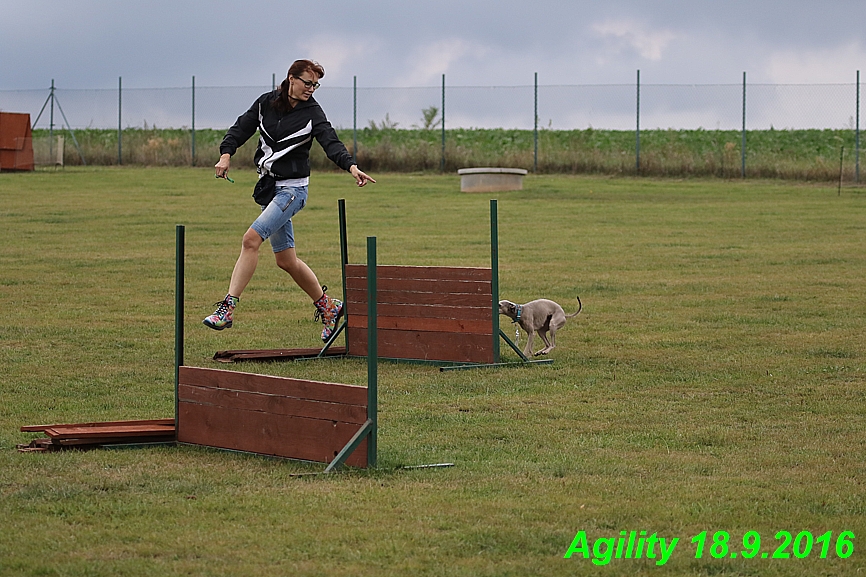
{"x":270,"y":156}
{"x":308,"y":129}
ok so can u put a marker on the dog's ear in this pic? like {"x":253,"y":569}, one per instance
{"x":507,"y":308}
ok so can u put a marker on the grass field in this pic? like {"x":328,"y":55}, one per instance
{"x":715,"y":380}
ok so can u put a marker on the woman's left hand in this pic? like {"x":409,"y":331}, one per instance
{"x":360,"y":177}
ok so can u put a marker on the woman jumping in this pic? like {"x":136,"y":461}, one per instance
{"x":287,"y":119}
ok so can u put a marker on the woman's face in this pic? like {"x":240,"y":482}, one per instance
{"x":302,"y":87}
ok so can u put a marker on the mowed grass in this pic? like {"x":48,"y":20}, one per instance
{"x":715,"y":380}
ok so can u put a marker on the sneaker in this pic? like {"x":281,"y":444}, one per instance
{"x":329,"y":310}
{"x":222,"y":317}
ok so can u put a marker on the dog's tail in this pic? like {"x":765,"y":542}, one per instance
{"x":579,"y":308}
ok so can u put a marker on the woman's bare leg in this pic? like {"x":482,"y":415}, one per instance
{"x":302,"y":274}
{"x":246,"y":264}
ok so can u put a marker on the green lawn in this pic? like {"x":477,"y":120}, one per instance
{"x":715,"y":380}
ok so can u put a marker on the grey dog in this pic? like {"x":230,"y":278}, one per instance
{"x":539,"y":316}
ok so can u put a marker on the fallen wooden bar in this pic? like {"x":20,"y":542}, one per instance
{"x":96,"y":434}
{"x":107,"y":432}
{"x":109,"y":441}
{"x":156,"y":422}
{"x":276,"y":354}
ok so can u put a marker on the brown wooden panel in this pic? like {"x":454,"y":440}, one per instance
{"x":430,"y":346}
{"x":109,"y":440}
{"x":267,"y":434}
{"x":14,"y":127}
{"x":468,"y":287}
{"x":422,"y":272}
{"x":67,"y":432}
{"x":154,"y":422}
{"x":273,"y":404}
{"x":313,"y":390}
{"x":8,"y":159}
{"x":358,"y":297}
{"x":484,"y":313}
{"x":424,"y":313}
{"x":461,"y":326}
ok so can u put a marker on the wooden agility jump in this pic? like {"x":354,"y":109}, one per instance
{"x":294,"y":418}
{"x":282,"y":417}
{"x":426,"y":313}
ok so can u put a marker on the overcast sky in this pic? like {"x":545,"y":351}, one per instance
{"x":400,"y":43}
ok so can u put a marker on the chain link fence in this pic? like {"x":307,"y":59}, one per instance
{"x":639,"y":111}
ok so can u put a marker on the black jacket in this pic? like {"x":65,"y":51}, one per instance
{"x":285,"y":139}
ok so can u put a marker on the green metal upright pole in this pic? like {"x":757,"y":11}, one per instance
{"x":637,"y":129}
{"x":355,"y":117}
{"x":51,"y":124}
{"x":442,"y":160}
{"x":193,"y":121}
{"x":178,"y":313}
{"x":119,"y":120}
{"x":743,"y":145}
{"x":372,"y":353}
{"x":344,"y":242}
{"x":857,"y":135}
{"x":494,"y":267}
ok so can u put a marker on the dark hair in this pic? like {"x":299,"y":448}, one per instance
{"x":298,"y":67}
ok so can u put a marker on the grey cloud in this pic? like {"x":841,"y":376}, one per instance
{"x":158,"y":43}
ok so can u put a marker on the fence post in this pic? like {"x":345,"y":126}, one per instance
{"x":535,"y":134}
{"x":743,"y":145}
{"x":442,"y":160}
{"x":355,"y":117}
{"x":193,"y":121}
{"x":51,"y":123}
{"x":119,"y":120}
{"x":637,"y":130}
{"x":52,"y":97}
{"x":857,"y":135}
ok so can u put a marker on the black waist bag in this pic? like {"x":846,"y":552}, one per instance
{"x":266,"y":189}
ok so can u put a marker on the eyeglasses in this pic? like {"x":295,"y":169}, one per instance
{"x":308,"y":83}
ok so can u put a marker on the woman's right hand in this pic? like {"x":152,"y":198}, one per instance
{"x":221,"y":168}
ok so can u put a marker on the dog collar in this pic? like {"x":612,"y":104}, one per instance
{"x":519,"y":312}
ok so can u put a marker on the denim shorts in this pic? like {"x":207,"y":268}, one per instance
{"x":275,"y":222}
